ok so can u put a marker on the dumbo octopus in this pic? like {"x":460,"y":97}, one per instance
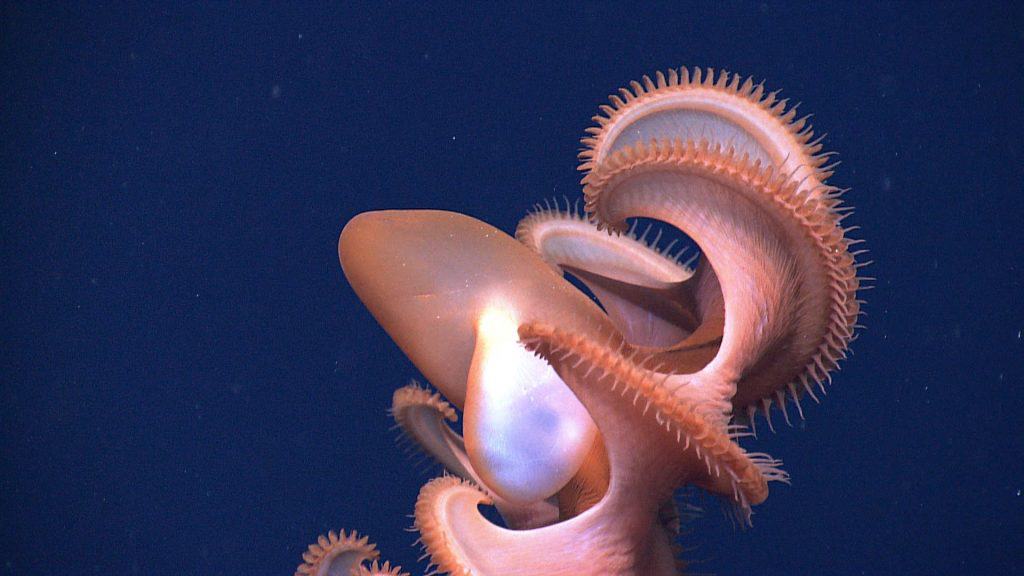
{"x":583,"y":418}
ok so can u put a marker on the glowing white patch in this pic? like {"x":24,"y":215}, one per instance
{"x":526,"y":433}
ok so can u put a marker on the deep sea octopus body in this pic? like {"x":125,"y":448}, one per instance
{"x":581,"y":420}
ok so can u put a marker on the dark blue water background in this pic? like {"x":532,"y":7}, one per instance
{"x":190,"y":387}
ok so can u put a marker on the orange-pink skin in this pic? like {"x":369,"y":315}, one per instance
{"x":426,"y":276}
{"x":772,"y":304}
